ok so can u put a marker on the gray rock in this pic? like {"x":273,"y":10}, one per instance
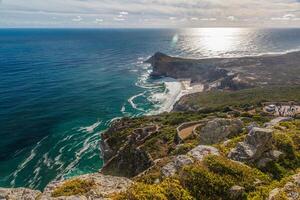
{"x":290,"y":189}
{"x":276,"y":121}
{"x":199,"y":152}
{"x":220,"y":129}
{"x":251,"y":126}
{"x":236,"y":192}
{"x":168,"y":170}
{"x":18,"y":194}
{"x":256,"y":143}
{"x":196,"y":154}
{"x":175,"y":165}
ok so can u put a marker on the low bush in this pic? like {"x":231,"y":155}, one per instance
{"x":73,"y":187}
{"x":169,"y":189}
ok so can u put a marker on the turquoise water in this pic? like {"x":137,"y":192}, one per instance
{"x":60,"y":88}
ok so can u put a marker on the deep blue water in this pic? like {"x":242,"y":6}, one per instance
{"x":59,"y":88}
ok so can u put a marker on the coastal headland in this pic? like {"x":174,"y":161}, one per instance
{"x":226,"y":137}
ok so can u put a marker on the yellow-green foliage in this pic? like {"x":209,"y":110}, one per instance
{"x":205,"y":185}
{"x":213,"y":178}
{"x":263,"y":191}
{"x":73,"y":187}
{"x":169,"y":189}
{"x":240,"y":174}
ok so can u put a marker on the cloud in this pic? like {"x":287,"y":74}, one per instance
{"x":208,"y":19}
{"x":123,"y":13}
{"x":231,"y":18}
{"x":98,"y":20}
{"x":77,"y":19}
{"x":157,"y":12}
{"x":286,"y":17}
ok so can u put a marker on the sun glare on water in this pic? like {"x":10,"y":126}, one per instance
{"x":213,"y":41}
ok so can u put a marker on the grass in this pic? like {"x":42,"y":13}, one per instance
{"x":243,"y":98}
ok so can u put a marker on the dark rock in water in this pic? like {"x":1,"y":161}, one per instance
{"x":256,"y":144}
{"x":219,"y":129}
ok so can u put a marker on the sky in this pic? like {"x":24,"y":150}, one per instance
{"x":149,"y":13}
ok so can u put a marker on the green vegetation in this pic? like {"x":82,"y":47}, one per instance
{"x":212,"y":178}
{"x":245,"y":99}
{"x":168,"y":189}
{"x":73,"y":187}
{"x":216,"y":175}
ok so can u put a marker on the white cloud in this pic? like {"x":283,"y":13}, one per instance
{"x":231,"y":18}
{"x":208,"y":19}
{"x":119,"y":19}
{"x":98,"y":21}
{"x":77,"y":19}
{"x":286,"y":17}
{"x":123,"y":13}
{"x":198,"y":12}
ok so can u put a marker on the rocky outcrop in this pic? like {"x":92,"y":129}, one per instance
{"x":230,"y":73}
{"x":196,"y":154}
{"x":219,"y":129}
{"x":291,"y":190}
{"x":236,"y":192}
{"x":257,"y":144}
{"x":276,"y":121}
{"x":168,"y":66}
{"x":104,"y":187}
{"x":18,"y":194}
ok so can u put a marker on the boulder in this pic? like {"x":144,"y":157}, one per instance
{"x":176,"y":164}
{"x":276,"y":121}
{"x":199,"y":152}
{"x":105,"y":186}
{"x":291,"y":189}
{"x":18,"y":194}
{"x":236,"y":192}
{"x":220,"y":129}
{"x":196,"y":154}
{"x":256,"y":143}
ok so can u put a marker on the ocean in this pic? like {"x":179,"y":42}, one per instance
{"x":60,"y":88}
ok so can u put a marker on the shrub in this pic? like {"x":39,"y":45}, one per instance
{"x":169,"y":189}
{"x":73,"y":187}
{"x":241,"y":174}
{"x":205,"y":185}
{"x":285,"y":144}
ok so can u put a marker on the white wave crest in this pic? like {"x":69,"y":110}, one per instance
{"x":90,"y":129}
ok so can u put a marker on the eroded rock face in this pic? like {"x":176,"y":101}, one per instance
{"x":256,"y":144}
{"x":196,"y":154}
{"x":219,"y":129}
{"x":18,"y":194}
{"x":104,"y":187}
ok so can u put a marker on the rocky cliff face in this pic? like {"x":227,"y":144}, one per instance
{"x":230,"y":73}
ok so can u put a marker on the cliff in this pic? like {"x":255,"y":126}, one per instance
{"x":231,"y":73}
